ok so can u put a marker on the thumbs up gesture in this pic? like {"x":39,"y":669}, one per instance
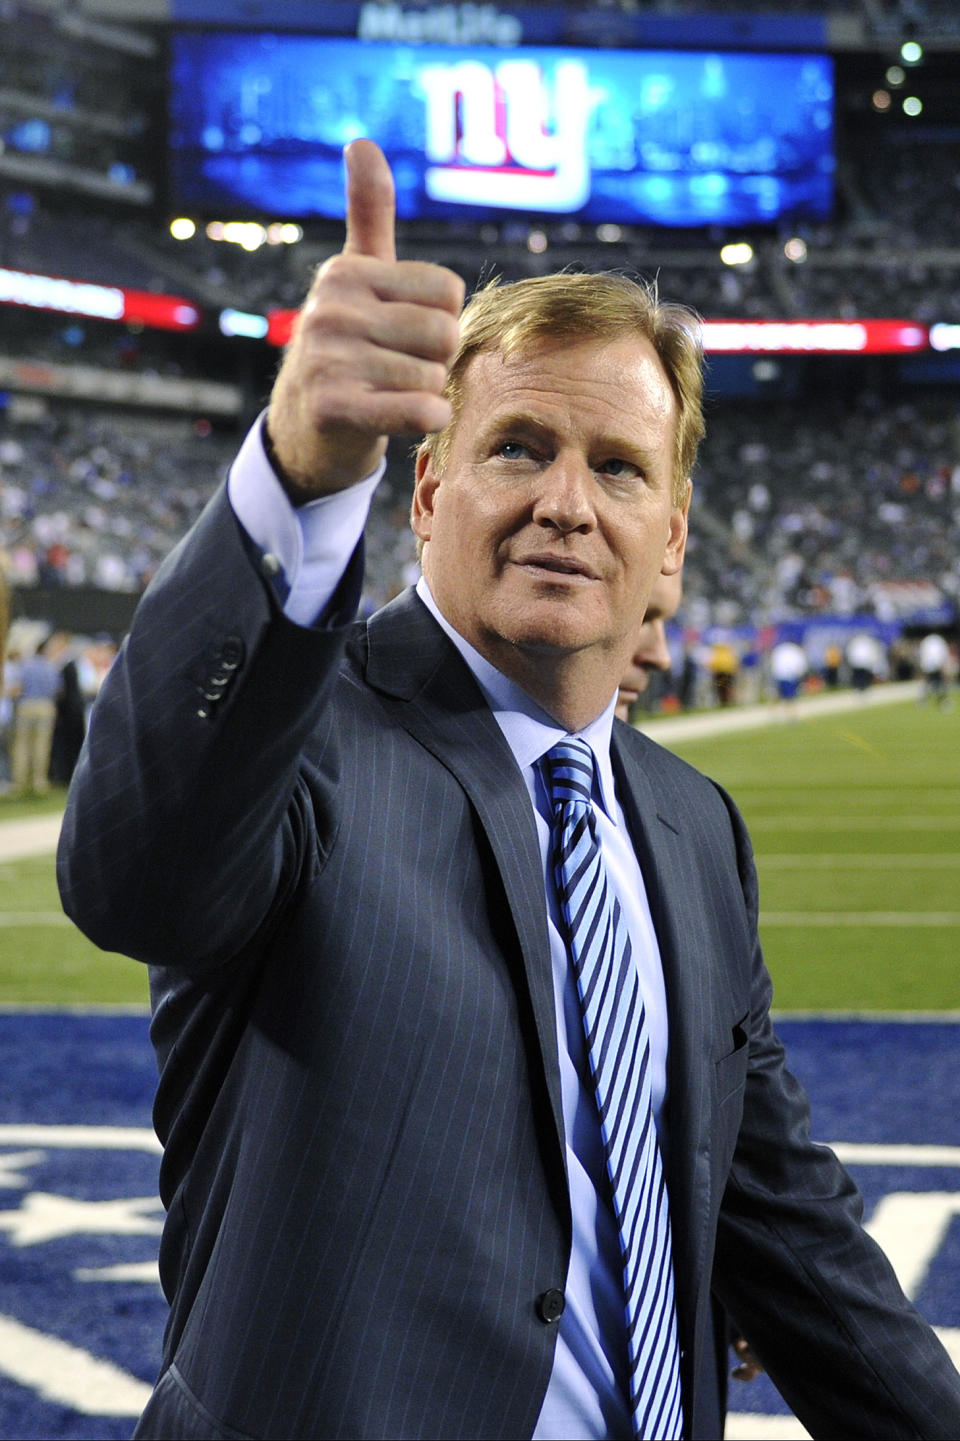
{"x":370,"y":349}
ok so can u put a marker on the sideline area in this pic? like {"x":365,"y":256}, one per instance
{"x":753,"y":717}
{"x":28,"y":836}
{"x":37,"y":835}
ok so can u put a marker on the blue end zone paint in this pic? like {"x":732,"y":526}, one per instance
{"x":893,"y":1082}
{"x":869,"y":1081}
{"x":77,"y":1067}
{"x":67,"y":1069}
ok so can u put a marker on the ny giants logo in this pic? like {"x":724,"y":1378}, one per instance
{"x":504,"y":136}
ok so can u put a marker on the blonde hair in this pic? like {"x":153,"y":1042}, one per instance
{"x":508,"y":319}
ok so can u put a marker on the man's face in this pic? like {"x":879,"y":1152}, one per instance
{"x":553,"y":516}
{"x":650,"y":650}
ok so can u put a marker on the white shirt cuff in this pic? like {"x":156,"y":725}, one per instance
{"x":312,"y":543}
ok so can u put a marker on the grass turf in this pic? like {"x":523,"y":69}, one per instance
{"x":856,"y":825}
{"x":44,"y":959}
{"x":855,"y":822}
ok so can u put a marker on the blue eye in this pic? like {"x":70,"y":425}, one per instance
{"x":619,"y":469}
{"x":513,"y":450}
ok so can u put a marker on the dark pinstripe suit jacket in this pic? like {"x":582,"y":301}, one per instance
{"x":321,"y":844}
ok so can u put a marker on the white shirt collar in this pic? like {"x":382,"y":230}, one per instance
{"x":528,"y":729}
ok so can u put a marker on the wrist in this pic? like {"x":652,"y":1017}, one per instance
{"x":297,"y":493}
{"x":328,"y":466}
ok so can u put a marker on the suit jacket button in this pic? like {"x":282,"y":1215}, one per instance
{"x":231,"y":653}
{"x":550,"y":1306}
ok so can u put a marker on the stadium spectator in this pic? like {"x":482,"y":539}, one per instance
{"x":388,"y":1164}
{"x":37,"y":686}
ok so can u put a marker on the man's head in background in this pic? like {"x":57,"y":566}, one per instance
{"x":651,"y":651}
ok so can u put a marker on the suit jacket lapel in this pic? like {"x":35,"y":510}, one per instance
{"x":435,"y":698}
{"x":659,"y":846}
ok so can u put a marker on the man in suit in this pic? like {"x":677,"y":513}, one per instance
{"x":389,"y":1206}
{"x":650,"y":649}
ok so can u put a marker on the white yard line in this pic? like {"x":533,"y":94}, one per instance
{"x":806,"y":861}
{"x":29,"y":836}
{"x":852,"y":823}
{"x":33,"y":918}
{"x":859,"y":918}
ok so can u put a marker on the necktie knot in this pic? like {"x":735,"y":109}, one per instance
{"x":568,"y":772}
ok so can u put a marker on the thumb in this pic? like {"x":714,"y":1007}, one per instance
{"x":371,"y":202}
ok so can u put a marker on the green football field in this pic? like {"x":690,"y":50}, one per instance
{"x":855,"y":820}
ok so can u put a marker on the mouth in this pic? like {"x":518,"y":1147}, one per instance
{"x":546,"y":565}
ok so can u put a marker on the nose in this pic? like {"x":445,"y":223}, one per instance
{"x":652,"y":651}
{"x":564,"y":497}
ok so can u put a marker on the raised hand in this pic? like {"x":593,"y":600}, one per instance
{"x":370,"y":349}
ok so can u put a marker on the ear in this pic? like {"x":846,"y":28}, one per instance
{"x":677,"y":539}
{"x":424,"y":492}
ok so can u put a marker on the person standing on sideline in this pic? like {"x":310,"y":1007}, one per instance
{"x":832,"y":661}
{"x":934,"y":659}
{"x":37,"y":688}
{"x":865,"y":659}
{"x":724,"y":664}
{"x":468,"y":1089}
{"x":788,"y":666}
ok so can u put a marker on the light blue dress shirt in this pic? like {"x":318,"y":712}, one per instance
{"x":586,"y":1396}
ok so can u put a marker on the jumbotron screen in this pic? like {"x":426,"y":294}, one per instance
{"x":258,"y":122}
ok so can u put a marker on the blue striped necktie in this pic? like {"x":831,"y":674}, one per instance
{"x":619,"y":1048}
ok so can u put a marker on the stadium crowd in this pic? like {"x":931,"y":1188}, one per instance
{"x":800,"y":510}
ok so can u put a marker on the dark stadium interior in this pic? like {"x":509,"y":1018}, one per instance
{"x":823,"y":483}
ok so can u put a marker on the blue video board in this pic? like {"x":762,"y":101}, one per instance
{"x":258,"y":123}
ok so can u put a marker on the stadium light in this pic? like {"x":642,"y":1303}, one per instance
{"x":242,"y":322}
{"x":183,"y":228}
{"x":813,"y":337}
{"x":283,"y":233}
{"x":945,"y":337}
{"x":245,"y":233}
{"x":911,"y":52}
{"x":895,"y":75}
{"x":796,"y":250}
{"x":740,"y":253}
{"x":881,"y":100}
{"x":912,"y":105}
